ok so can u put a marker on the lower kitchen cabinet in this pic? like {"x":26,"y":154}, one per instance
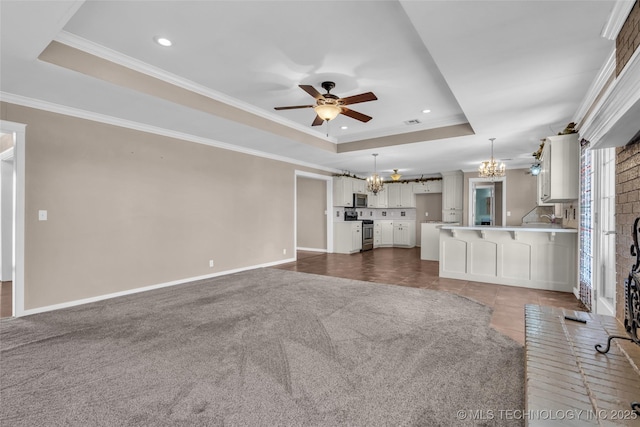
{"x":394,"y":233}
{"x":404,"y":233}
{"x":347,"y":237}
{"x":382,"y":233}
{"x":452,"y":215}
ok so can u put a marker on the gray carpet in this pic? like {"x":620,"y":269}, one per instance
{"x":265,"y":347}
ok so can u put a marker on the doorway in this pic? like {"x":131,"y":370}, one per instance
{"x":313,"y":224}
{"x":12,"y":188}
{"x":487,"y":201}
{"x":484,"y":212}
{"x":604,"y":226}
{"x":6,"y":225}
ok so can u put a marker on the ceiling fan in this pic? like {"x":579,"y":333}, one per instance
{"x":328,"y":106}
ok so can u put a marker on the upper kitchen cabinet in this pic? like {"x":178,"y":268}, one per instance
{"x":342,"y":191}
{"x":452,"y":196}
{"x":359,"y":186}
{"x":344,"y":187}
{"x":432,"y":186}
{"x":400,"y":196}
{"x":379,"y":200}
{"x":559,"y":176}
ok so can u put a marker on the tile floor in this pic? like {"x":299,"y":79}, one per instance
{"x":404,"y":267}
{"x":6,"y":303}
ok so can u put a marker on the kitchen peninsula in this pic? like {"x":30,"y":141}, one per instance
{"x":541,"y":256}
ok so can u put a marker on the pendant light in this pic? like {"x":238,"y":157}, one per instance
{"x":491,"y":169}
{"x":374,"y":182}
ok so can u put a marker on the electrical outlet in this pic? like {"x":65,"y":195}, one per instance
{"x":426,"y":214}
{"x":284,"y":251}
{"x":508,"y":213}
{"x":210,"y":263}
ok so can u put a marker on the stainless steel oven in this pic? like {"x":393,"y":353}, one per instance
{"x":367,"y":235}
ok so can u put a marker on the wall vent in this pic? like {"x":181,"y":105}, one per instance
{"x":412,"y":122}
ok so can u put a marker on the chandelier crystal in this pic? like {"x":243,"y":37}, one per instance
{"x":491,"y":168}
{"x":374,"y":182}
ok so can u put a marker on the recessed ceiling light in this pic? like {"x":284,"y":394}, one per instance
{"x":344,"y":127}
{"x":426,"y":111}
{"x":162,"y":41}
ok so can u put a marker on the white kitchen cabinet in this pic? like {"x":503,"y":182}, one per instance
{"x":424,"y":187}
{"x":452,"y":196}
{"x":559,"y":176}
{"x":359,"y":185}
{"x":377,"y":234}
{"x":342,"y":191}
{"x":452,"y":215}
{"x":378,"y":200}
{"x":388,"y":233}
{"x":400,"y":196}
{"x":385,"y":232}
{"x":344,"y":187}
{"x":540,"y":192}
{"x":430,"y":241}
{"x":404,"y":233}
{"x":347,"y":237}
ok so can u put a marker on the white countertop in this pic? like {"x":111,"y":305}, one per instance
{"x":535,"y":228}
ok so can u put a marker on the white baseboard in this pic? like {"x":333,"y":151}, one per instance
{"x":148,"y":288}
{"x":311,"y":249}
{"x":576,"y":292}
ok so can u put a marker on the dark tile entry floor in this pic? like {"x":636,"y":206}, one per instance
{"x":404,"y":267}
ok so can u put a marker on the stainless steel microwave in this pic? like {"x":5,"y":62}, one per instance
{"x":359,"y":200}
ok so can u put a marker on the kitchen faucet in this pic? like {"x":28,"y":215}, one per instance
{"x":552,"y":218}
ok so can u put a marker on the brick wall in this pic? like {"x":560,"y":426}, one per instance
{"x":628,"y":38}
{"x":627,"y":210}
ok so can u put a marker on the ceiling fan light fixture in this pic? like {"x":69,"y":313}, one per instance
{"x":327,"y":111}
{"x":395,"y":176}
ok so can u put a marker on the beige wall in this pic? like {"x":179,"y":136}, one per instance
{"x":128,"y":209}
{"x":311,"y":197}
{"x":6,"y":142}
{"x":521,"y":195}
{"x":431,"y":203}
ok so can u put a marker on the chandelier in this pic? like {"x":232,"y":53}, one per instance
{"x":490,"y":168}
{"x":374,"y":182}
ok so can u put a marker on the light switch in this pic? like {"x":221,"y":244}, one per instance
{"x":42,"y":215}
{"x":508,"y":213}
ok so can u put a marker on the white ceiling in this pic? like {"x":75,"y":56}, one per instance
{"x":513,"y":70}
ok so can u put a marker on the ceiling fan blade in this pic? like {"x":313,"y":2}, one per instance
{"x":355,"y":115}
{"x":363,"y":97}
{"x":293,"y":106}
{"x":317,"y":122}
{"x":311,"y":91}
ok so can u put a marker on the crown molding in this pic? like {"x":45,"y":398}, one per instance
{"x":595,"y":90}
{"x":613,"y":120}
{"x":116,"y":57}
{"x":110,"y":120}
{"x":617,"y":18}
